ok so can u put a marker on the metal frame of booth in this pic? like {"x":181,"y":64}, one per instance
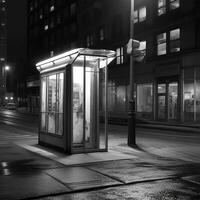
{"x":71,"y":118}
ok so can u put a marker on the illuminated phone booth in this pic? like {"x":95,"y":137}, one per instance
{"x":73,"y":117}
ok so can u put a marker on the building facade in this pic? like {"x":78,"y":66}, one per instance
{"x":3,"y":48}
{"x":167,"y":81}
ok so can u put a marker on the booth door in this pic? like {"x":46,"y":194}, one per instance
{"x":86,"y":134}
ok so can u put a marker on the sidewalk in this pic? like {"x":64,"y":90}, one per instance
{"x":33,"y":172}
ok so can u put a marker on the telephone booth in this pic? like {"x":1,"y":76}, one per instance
{"x":73,"y":113}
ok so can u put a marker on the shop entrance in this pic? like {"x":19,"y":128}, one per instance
{"x":167,"y":100}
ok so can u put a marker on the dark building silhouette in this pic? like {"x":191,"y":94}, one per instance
{"x":167,"y":81}
{"x":13,"y":48}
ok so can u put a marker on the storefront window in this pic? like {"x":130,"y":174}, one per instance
{"x":111,"y":96}
{"x":198,"y":94}
{"x":144,"y":98}
{"x":189,"y":95}
{"x":121,"y":98}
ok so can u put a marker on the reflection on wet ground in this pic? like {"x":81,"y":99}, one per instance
{"x":158,"y":190}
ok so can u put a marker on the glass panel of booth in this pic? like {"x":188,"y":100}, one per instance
{"x":52,"y":89}
{"x":86,"y":119}
{"x":51,"y":105}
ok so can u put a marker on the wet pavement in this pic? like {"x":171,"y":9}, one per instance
{"x":158,"y":190}
{"x":27,"y":175}
{"x":29,"y":171}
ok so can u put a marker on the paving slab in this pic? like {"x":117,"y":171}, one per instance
{"x":193,"y":179}
{"x":27,"y":186}
{"x":158,"y":190}
{"x":128,"y":171}
{"x":78,"y":178}
{"x":77,"y":159}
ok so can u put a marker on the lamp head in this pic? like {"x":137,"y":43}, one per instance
{"x":7,"y":68}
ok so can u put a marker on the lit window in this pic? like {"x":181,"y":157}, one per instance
{"x":31,"y":6}
{"x":52,"y":23}
{"x":161,"y":7}
{"x":73,"y":9}
{"x":161,"y":44}
{"x":140,"y":15}
{"x":143,"y":47}
{"x":175,"y":40}
{"x":2,"y":59}
{"x":46,"y":27}
{"x":41,"y":14}
{"x":3,"y":24}
{"x":120,"y":55}
{"x":136,"y":16}
{"x":89,"y":41}
{"x":174,"y":4}
{"x":101,"y":34}
{"x":52,"y":8}
{"x":3,"y":8}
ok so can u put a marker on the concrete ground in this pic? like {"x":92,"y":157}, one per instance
{"x":29,"y":171}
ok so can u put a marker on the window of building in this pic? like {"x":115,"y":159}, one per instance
{"x":46,"y":26}
{"x":52,"y":8}
{"x":52,"y":23}
{"x":41,"y":14}
{"x":161,"y":7}
{"x":120,"y":55}
{"x":101,"y":34}
{"x":2,"y":59}
{"x":189,"y":94}
{"x":31,"y":6}
{"x":136,"y":16}
{"x":35,"y":3}
{"x":73,"y":28}
{"x":3,"y":9}
{"x":140,"y":15}
{"x":73,"y":9}
{"x":161,"y":44}
{"x":175,"y":40}
{"x":174,"y":4}
{"x":58,"y":18}
{"x":143,"y":47}
{"x":89,"y":41}
{"x":144,"y":98}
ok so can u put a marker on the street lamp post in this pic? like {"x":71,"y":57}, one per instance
{"x":131,"y":112}
{"x":6,"y":68}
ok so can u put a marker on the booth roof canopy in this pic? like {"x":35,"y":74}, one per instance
{"x":69,"y":57}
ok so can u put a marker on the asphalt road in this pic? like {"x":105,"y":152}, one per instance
{"x":167,"y":143}
{"x":37,"y":176}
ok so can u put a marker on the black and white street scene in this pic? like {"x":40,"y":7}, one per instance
{"x":99,"y":100}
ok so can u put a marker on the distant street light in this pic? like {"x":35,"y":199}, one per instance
{"x":6,"y":68}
